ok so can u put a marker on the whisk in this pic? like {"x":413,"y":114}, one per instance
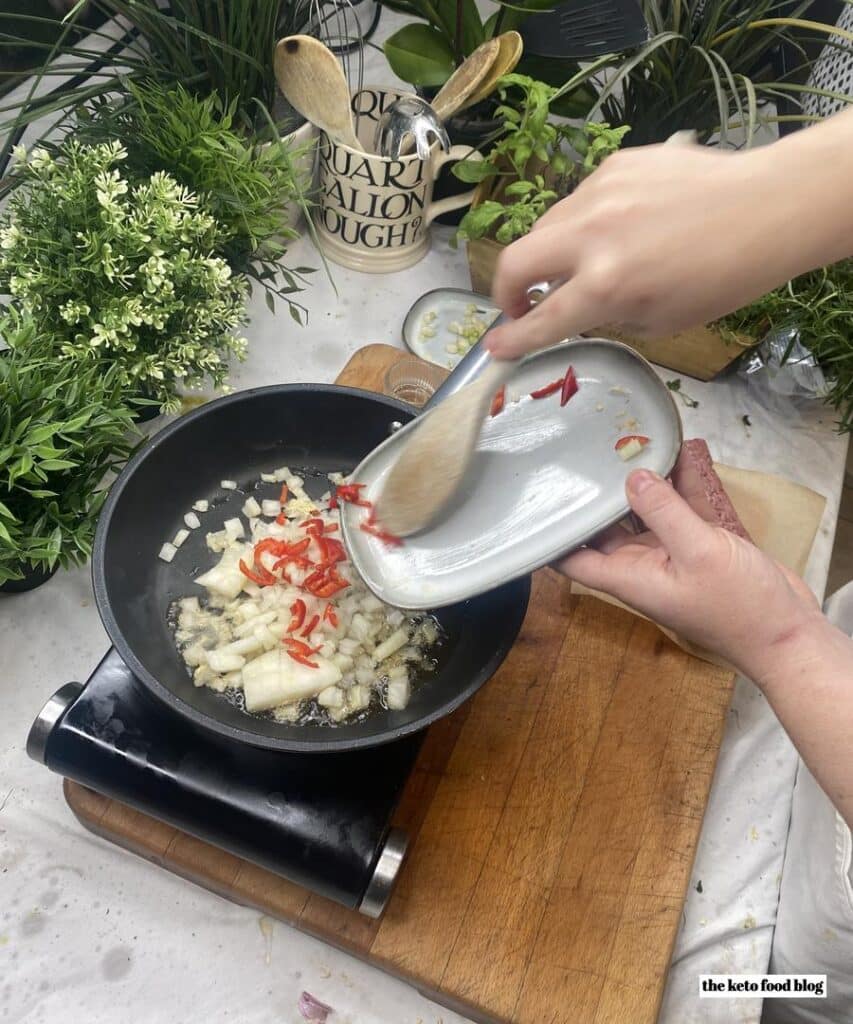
{"x":344,"y":26}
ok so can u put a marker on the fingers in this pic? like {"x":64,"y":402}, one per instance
{"x":682,"y":532}
{"x":540,"y":257}
{"x":589,"y":567}
{"x":566,"y":312}
{"x":617,"y":537}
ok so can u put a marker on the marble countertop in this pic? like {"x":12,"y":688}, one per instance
{"x":88,"y":932}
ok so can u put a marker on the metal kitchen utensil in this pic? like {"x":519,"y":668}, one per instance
{"x":544,"y":478}
{"x":509,"y":54}
{"x":313,"y":82}
{"x":409,"y":119}
{"x":461,"y":89}
{"x":581,"y":29}
{"x":432,"y":464}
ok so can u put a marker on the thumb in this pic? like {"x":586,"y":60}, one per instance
{"x":680,"y":530}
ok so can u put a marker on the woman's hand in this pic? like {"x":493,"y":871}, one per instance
{"x":661,"y":238}
{"x":707,"y":584}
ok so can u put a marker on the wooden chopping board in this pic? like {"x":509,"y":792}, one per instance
{"x":553,"y":821}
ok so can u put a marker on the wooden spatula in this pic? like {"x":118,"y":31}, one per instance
{"x":433,"y":462}
{"x":508,"y":56}
{"x":466,"y":79}
{"x":313,"y":82}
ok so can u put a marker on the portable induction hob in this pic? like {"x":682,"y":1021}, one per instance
{"x":321,"y":821}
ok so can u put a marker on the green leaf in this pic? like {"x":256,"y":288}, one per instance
{"x":473,"y":171}
{"x":478,"y":220}
{"x":419,"y":54}
{"x":519,"y":188}
{"x":40,"y":434}
{"x":52,"y":464}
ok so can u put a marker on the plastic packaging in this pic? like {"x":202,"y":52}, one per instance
{"x":781,"y":374}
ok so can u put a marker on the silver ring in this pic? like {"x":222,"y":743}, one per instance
{"x":385,"y":874}
{"x":47,"y":720}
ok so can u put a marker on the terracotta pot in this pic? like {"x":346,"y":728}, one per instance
{"x":482,"y":260}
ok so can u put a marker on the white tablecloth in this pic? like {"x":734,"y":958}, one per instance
{"x":89,"y":933}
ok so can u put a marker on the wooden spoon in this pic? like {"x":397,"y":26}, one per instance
{"x":461,"y":84}
{"x":313,"y":82}
{"x":465,"y":79}
{"x":435,"y":460}
{"x":509,"y":54}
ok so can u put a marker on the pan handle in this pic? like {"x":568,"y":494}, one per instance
{"x":472,"y":364}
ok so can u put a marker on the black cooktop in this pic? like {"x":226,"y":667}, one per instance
{"x":320,"y":820}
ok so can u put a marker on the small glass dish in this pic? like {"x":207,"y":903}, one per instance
{"x":414,"y":381}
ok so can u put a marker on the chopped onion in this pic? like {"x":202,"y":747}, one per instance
{"x":217,"y":541}
{"x":180,"y":537}
{"x":343,"y":661}
{"x":203,"y":676}
{"x":397,"y":694}
{"x":192,"y":520}
{"x":391,"y":645}
{"x":245,"y":645}
{"x":168,"y":552}
{"x":202,"y":505}
{"x":195,"y":655}
{"x":224,"y":661}
{"x":331,"y":697}
{"x":358,"y":697}
{"x":234,"y":528}
{"x":234,"y":637}
{"x":250,"y":624}
{"x":228,"y":485}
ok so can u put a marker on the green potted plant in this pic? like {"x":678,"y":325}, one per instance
{"x":251,"y":189}
{"x":534,"y":162}
{"x":211,"y":48}
{"x":64,"y":427}
{"x":818,"y":306}
{"x":710,"y":67}
{"x":121,"y":271}
{"x":426,"y":51}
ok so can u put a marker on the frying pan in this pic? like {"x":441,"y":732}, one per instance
{"x":314,"y":429}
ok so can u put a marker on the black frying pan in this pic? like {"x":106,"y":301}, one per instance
{"x":313,"y":429}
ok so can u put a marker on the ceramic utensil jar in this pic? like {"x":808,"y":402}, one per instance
{"x":373,"y":213}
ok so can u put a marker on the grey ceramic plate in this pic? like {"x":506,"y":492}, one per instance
{"x":544,"y":479}
{"x":449,"y":305}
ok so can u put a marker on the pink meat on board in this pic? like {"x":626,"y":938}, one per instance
{"x":696,"y":480}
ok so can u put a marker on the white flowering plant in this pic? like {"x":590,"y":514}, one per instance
{"x":121,"y":270}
